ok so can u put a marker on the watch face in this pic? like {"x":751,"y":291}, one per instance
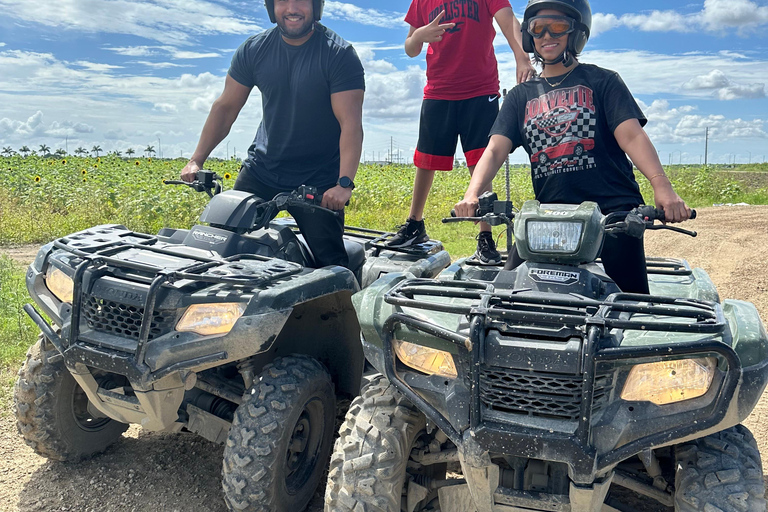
{"x":346,"y":182}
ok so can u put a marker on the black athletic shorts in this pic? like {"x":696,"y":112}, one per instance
{"x":441,"y":124}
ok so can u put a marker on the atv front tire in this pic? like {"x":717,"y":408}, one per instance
{"x":52,"y":410}
{"x":370,"y":458}
{"x":720,"y":472}
{"x":281,"y":438}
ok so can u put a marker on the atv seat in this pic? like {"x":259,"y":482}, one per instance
{"x":355,"y":253}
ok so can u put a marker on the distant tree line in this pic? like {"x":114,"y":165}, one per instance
{"x":45,"y":152}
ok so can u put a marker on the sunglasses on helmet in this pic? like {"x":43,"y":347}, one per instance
{"x":555,"y":26}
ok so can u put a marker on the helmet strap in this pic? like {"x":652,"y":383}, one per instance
{"x":565,"y":58}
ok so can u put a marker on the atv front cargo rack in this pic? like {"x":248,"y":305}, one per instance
{"x":551,"y":316}
{"x":521,"y":312}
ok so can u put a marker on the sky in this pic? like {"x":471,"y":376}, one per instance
{"x":135,"y":73}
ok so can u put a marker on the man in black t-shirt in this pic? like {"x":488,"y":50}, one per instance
{"x":312,"y":85}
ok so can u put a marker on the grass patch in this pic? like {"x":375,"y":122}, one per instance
{"x":17,"y":332}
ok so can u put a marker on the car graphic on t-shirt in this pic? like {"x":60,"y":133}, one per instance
{"x":568,"y":146}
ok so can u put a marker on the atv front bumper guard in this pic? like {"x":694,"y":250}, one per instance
{"x":576,"y":449}
{"x":247,"y":271}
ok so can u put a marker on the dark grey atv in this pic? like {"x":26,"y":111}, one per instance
{"x":546,"y":388}
{"x":227,"y":330}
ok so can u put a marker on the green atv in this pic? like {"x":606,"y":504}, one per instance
{"x":229,"y":330}
{"x":545,"y":388}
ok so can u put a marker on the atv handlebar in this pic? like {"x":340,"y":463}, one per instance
{"x":489,"y":210}
{"x":636,"y":221}
{"x":633,"y":222}
{"x":205,"y":181}
{"x":304,"y":196}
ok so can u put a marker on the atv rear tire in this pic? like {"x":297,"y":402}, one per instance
{"x":720,"y":472}
{"x":370,"y":458}
{"x":281,"y":438}
{"x":52,"y":410}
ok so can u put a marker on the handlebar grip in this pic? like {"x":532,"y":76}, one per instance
{"x":660,"y":215}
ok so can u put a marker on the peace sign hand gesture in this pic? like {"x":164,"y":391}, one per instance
{"x":433,"y":32}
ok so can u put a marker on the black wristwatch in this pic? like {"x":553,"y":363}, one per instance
{"x":345,"y":182}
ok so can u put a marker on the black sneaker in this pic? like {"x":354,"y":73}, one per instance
{"x":486,"y":249}
{"x":410,"y":233}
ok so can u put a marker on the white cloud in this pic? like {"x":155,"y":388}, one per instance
{"x":743,"y":15}
{"x":165,"y":107}
{"x":715,"y":79}
{"x":194,"y":55}
{"x":725,"y":89}
{"x":682,"y":126}
{"x":149,"y":51}
{"x":35,"y":126}
{"x":742,"y":91}
{"x":2,"y":44}
{"x":113,"y":108}
{"x":169,"y":21}
{"x":134,"y":51}
{"x":162,"y":65}
{"x":372,"y":65}
{"x":353,"y":13}
{"x":603,"y":23}
{"x":648,"y":73}
{"x":659,"y":21}
{"x":717,"y":16}
{"x":68,"y":128}
{"x":94,"y":66}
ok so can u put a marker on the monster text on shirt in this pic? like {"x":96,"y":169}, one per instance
{"x":457,"y":9}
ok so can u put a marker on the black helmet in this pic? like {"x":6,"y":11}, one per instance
{"x":317,"y":9}
{"x":576,"y":9}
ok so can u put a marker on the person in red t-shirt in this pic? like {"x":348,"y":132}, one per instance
{"x":461,"y":98}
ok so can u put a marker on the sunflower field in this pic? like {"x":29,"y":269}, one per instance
{"x":45,"y":198}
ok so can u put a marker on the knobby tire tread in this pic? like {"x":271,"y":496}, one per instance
{"x":368,"y":465}
{"x":721,"y":472}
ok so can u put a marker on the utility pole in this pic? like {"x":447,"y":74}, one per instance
{"x":750,"y":156}
{"x":706,"y":144}
{"x":66,"y":144}
{"x":391,"y":146}
{"x":227,"y":150}
{"x":159,"y":148}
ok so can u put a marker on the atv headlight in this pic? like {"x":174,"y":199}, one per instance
{"x":60,"y":284}
{"x":428,"y":360}
{"x":209,"y":319}
{"x":668,"y":382}
{"x":557,"y":237}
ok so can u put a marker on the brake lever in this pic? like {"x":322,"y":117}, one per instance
{"x":675,"y":229}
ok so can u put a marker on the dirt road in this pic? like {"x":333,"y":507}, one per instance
{"x":148,"y":472}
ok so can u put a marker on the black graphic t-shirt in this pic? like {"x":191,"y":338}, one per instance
{"x":297,"y":141}
{"x":567,"y":132}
